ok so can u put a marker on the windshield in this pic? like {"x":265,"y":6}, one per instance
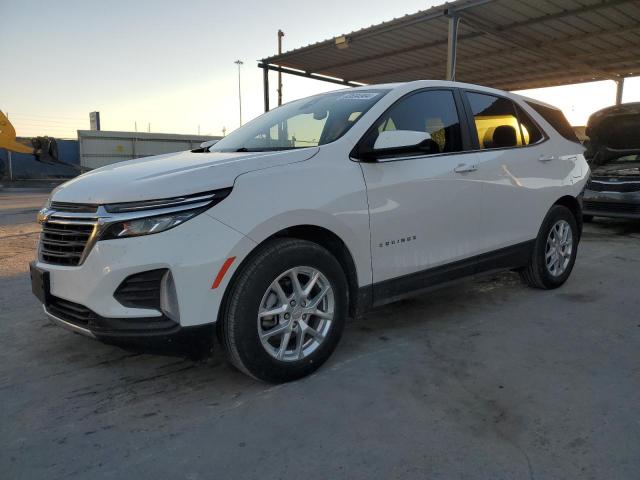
{"x":303,"y":123}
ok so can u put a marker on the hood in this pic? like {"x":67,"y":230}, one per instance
{"x":614,"y":132}
{"x":170,"y":175}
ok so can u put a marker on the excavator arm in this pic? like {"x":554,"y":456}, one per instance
{"x":8,"y":137}
{"x":45,"y":149}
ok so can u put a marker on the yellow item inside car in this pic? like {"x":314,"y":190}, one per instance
{"x":487,"y":125}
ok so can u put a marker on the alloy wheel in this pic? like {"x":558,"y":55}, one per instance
{"x":559,"y":248}
{"x":296,"y":313}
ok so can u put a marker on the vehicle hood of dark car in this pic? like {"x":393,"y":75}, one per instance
{"x":615,"y":127}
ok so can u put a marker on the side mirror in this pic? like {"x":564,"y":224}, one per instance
{"x":400,"y":139}
{"x":210,"y":143}
{"x":401,"y":142}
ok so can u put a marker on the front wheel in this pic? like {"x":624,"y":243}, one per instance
{"x":285,"y":311}
{"x":555,"y":250}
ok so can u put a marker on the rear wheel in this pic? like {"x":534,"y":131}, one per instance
{"x":555,"y":250}
{"x":285,"y":311}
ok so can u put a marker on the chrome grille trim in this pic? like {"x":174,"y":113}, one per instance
{"x":604,"y":185}
{"x":66,"y":243}
{"x":186,"y":201}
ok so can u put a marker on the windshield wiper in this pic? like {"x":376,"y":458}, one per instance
{"x":264,"y":149}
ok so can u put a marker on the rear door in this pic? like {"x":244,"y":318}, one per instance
{"x":521,"y":172}
{"x":424,"y":209}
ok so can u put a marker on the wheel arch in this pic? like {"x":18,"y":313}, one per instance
{"x":574,"y":206}
{"x":318,"y":235}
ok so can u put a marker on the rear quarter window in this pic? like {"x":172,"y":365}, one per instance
{"x":556,"y":118}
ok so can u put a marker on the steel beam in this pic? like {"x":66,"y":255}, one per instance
{"x":265,"y":86}
{"x":452,"y":46}
{"x":10,"y":165}
{"x":619,"y":89}
{"x":266,"y":67}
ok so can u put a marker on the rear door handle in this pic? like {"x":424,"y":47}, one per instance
{"x":465,"y":167}
{"x":546,"y":158}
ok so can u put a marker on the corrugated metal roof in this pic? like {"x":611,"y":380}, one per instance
{"x":506,"y":44}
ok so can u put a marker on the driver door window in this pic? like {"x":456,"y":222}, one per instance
{"x":433,"y":112}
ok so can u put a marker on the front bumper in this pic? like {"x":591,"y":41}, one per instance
{"x":68,"y":324}
{"x":611,"y":204}
{"x":81,"y":298}
{"x":82,"y":320}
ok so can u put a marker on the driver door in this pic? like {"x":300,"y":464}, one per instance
{"x":425,"y":208}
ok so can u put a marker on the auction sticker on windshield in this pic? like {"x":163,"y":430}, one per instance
{"x":358,"y":96}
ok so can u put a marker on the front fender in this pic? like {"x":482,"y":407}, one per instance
{"x":266,"y":202}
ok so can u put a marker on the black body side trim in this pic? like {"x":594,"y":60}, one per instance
{"x":408,"y":285}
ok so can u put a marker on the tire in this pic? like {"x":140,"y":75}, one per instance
{"x":248,"y":338}
{"x":537,"y":273}
{"x":587,"y":218}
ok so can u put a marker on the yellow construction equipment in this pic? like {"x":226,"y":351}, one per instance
{"x":8,"y":137}
{"x":45,"y":149}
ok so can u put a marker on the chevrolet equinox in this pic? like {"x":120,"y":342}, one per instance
{"x":311,"y":213}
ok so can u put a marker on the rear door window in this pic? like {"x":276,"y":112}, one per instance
{"x":495,"y":120}
{"x":528,"y":128}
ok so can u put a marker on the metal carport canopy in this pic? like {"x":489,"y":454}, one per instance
{"x":506,"y":44}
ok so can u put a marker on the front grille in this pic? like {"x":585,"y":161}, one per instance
{"x":74,"y":207}
{"x":63,"y":243}
{"x":606,"y":186}
{"x":141,"y":290}
{"x":71,"y":312}
{"x":611,"y":207}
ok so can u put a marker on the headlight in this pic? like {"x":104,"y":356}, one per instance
{"x":133,"y":219}
{"x":147,"y":225}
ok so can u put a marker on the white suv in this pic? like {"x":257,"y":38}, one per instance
{"x":311,"y":213}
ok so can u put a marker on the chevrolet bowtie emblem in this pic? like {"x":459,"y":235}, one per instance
{"x":43,"y":215}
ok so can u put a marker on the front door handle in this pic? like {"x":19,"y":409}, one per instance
{"x":465,"y":167}
{"x":546,"y":158}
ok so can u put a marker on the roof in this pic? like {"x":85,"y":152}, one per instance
{"x":506,"y":44}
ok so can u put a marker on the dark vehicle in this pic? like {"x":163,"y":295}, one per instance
{"x":614,"y":156}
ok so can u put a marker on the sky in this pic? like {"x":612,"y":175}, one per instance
{"x":167,"y":66}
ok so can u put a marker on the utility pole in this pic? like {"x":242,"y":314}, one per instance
{"x":239,"y":63}
{"x":619,"y":89}
{"x":452,"y":45}
{"x":9,"y":160}
{"x":280,"y":35}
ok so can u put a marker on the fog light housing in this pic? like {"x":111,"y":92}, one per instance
{"x":169,"y":297}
